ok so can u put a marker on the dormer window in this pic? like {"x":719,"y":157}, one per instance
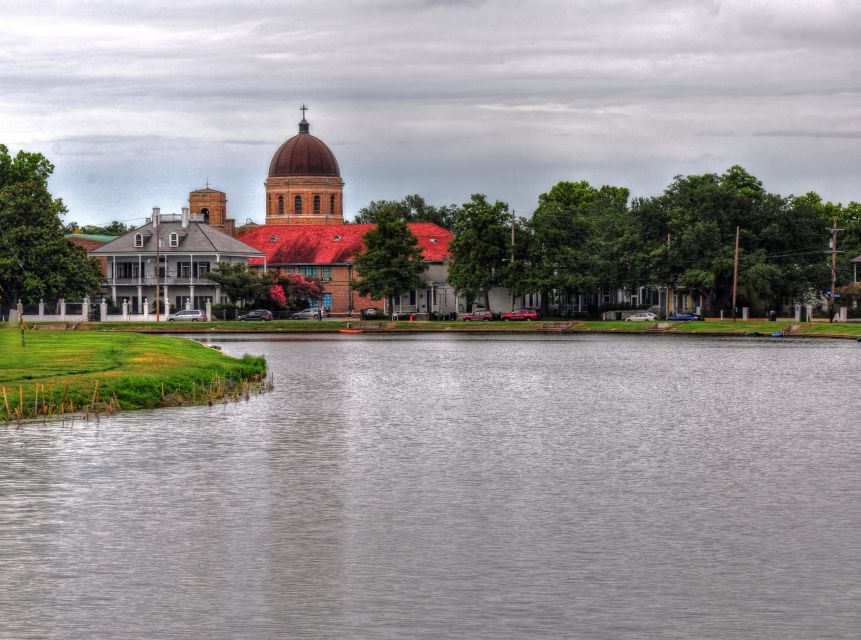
{"x":337,"y":238}
{"x":433,"y":240}
{"x":138,"y":239}
{"x":273,"y":239}
{"x":174,"y":239}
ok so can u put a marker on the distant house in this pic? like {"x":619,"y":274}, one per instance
{"x":89,"y":241}
{"x":186,"y":250}
{"x":326,"y":252}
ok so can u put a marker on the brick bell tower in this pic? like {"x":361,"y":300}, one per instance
{"x":211,"y":205}
{"x":304,"y":184}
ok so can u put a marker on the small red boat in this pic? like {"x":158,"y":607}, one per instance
{"x":350,"y":330}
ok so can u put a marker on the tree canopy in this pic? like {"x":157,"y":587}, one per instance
{"x":412,"y":208}
{"x":270,"y":290}
{"x":480,"y":247}
{"x":114,"y":228}
{"x":392,"y":260}
{"x":36,"y":260}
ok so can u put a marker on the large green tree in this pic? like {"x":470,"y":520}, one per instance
{"x":237,"y":282}
{"x":412,"y":208}
{"x":581,"y":239}
{"x":688,"y":237}
{"x":480,"y":248}
{"x":392,"y":260}
{"x":36,"y":261}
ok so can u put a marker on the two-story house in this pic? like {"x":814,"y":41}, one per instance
{"x":173,"y":252}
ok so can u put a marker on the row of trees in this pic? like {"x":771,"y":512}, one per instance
{"x":582,"y":238}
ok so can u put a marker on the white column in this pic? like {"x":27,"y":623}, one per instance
{"x":41,"y":309}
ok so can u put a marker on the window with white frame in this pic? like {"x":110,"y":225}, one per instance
{"x":174,"y":239}
{"x":138,"y":239}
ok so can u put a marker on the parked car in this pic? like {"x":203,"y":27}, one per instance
{"x":192,"y":315}
{"x":311,"y":313}
{"x":372,"y":314}
{"x":642,"y":316}
{"x":685,"y":316}
{"x":257,"y":314}
{"x":524,"y":313}
{"x":481,"y":314}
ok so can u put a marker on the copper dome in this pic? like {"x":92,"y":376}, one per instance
{"x":303,"y":155}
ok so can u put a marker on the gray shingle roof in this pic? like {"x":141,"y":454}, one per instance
{"x":197,"y":237}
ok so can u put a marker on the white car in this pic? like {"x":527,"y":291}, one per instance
{"x":642,"y":316}
{"x":309,"y":314}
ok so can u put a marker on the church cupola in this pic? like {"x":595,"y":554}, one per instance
{"x":304,"y":184}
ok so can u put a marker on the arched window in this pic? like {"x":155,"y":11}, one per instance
{"x":280,"y":205}
{"x":317,"y":205}
{"x":205,"y":213}
{"x":138,"y":239}
{"x":332,"y":205}
{"x":297,"y":205}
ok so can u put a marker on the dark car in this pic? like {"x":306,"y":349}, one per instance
{"x":257,"y":314}
{"x":685,"y":316}
{"x":524,"y":313}
{"x":191,"y":315}
{"x":372,"y":314}
{"x":481,"y":314}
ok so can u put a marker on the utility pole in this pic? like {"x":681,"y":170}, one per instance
{"x":735,"y":273}
{"x":834,"y":231}
{"x":513,"y":219}
{"x":155,"y":221}
{"x":668,"y":277}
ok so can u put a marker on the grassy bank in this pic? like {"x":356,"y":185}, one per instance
{"x":727,"y":327}
{"x":71,"y":371}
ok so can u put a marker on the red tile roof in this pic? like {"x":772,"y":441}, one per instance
{"x":333,"y":244}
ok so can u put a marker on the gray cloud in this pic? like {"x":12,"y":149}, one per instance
{"x":436,"y":97}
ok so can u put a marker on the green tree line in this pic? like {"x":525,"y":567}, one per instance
{"x":582,"y":238}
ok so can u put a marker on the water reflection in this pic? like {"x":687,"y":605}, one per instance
{"x":455,"y":486}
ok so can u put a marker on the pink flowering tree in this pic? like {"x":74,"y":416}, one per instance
{"x":296,"y":291}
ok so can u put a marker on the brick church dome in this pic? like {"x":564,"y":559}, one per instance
{"x":303,"y":155}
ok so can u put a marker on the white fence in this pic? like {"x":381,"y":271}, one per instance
{"x":80,"y":312}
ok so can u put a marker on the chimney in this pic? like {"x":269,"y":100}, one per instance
{"x":155,"y":214}
{"x":184,"y":217}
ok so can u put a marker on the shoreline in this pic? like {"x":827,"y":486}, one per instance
{"x":51,"y":374}
{"x":714,"y":328}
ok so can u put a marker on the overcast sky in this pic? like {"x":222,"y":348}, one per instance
{"x":137,"y":103}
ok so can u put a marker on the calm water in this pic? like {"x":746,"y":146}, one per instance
{"x":456,"y":487}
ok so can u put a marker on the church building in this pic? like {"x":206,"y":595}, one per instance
{"x":305,"y":232}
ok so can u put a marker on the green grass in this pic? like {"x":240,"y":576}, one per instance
{"x":730,"y":327}
{"x":614,"y":325}
{"x":131,"y":369}
{"x":829,"y":328}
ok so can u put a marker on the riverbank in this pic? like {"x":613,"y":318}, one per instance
{"x":60,"y":372}
{"x":786,"y":328}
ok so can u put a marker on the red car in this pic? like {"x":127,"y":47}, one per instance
{"x":481,"y":314}
{"x":524,"y":313}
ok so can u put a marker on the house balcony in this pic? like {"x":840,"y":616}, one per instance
{"x":149,"y":281}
